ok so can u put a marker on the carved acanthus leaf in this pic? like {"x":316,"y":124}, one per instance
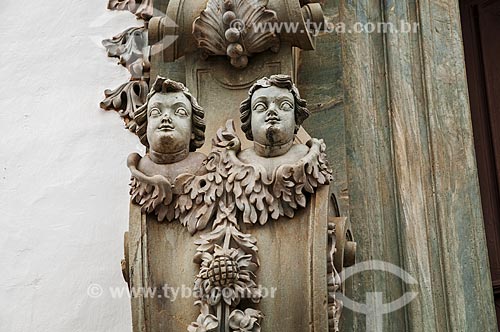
{"x":236,"y":28}
{"x":132,"y":50}
{"x":126,"y":99}
{"x":143,"y":9}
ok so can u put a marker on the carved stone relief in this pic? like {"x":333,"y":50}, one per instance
{"x":224,"y":28}
{"x":132,"y":50}
{"x":237,"y":29}
{"x":268,"y":181}
{"x":227,"y":199}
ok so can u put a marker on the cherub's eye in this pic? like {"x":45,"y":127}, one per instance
{"x":155,"y":112}
{"x":260,"y":107}
{"x":286,"y":106}
{"x":181,"y":111}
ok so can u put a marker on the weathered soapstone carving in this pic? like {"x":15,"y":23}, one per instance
{"x":234,"y":28}
{"x":225,"y":28}
{"x":132,"y":49}
{"x":253,"y":186}
{"x":230,"y":191}
{"x":143,"y":9}
{"x":269,"y":180}
{"x":171,"y":125}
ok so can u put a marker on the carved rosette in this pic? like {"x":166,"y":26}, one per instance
{"x":236,"y":28}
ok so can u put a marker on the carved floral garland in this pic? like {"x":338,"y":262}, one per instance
{"x":230,"y":191}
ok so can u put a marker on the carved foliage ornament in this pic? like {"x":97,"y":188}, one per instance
{"x":231,"y":186}
{"x":132,"y":50}
{"x":228,"y":193}
{"x":142,"y":8}
{"x":229,"y":27}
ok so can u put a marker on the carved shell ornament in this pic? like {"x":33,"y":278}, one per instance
{"x":236,"y":28}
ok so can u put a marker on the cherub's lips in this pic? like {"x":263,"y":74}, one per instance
{"x":273,"y":120}
{"x":166,"y":127}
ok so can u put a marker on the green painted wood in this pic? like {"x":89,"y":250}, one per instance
{"x":458,"y":205}
{"x":371,"y":181}
{"x":321,"y":84}
{"x":412,"y":178}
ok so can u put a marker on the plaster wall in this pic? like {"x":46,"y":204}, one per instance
{"x":63,"y":176}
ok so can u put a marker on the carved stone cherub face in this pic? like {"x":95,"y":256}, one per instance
{"x":273,"y":116}
{"x":169,"y":122}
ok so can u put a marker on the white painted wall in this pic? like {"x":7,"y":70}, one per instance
{"x":63,"y":176}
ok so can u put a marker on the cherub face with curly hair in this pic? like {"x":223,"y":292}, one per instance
{"x":169,"y":125}
{"x":273,"y":116}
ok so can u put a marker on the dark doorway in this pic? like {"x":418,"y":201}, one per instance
{"x":481,"y":33}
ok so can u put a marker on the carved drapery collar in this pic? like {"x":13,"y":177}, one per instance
{"x":270,"y":151}
{"x":167,"y":158}
{"x":231,"y":187}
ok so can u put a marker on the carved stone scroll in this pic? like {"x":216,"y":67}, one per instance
{"x":142,"y":8}
{"x":133,"y":52}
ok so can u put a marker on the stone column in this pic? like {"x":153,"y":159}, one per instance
{"x":412,"y":178}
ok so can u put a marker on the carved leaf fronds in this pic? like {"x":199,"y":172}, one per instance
{"x":255,"y":16}
{"x":126,"y":99}
{"x":132,"y":50}
{"x":236,"y":28}
{"x":143,"y":9}
{"x":232,"y":187}
{"x":152,"y":193}
{"x":208,"y":28}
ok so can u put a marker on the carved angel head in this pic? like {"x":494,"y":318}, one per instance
{"x":171,"y":118}
{"x":274,"y":104}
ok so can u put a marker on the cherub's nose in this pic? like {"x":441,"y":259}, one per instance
{"x":272,"y":109}
{"x":166,"y":117}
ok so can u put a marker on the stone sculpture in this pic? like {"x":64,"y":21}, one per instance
{"x":171,"y":125}
{"x":253,"y":186}
{"x":233,"y":194}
